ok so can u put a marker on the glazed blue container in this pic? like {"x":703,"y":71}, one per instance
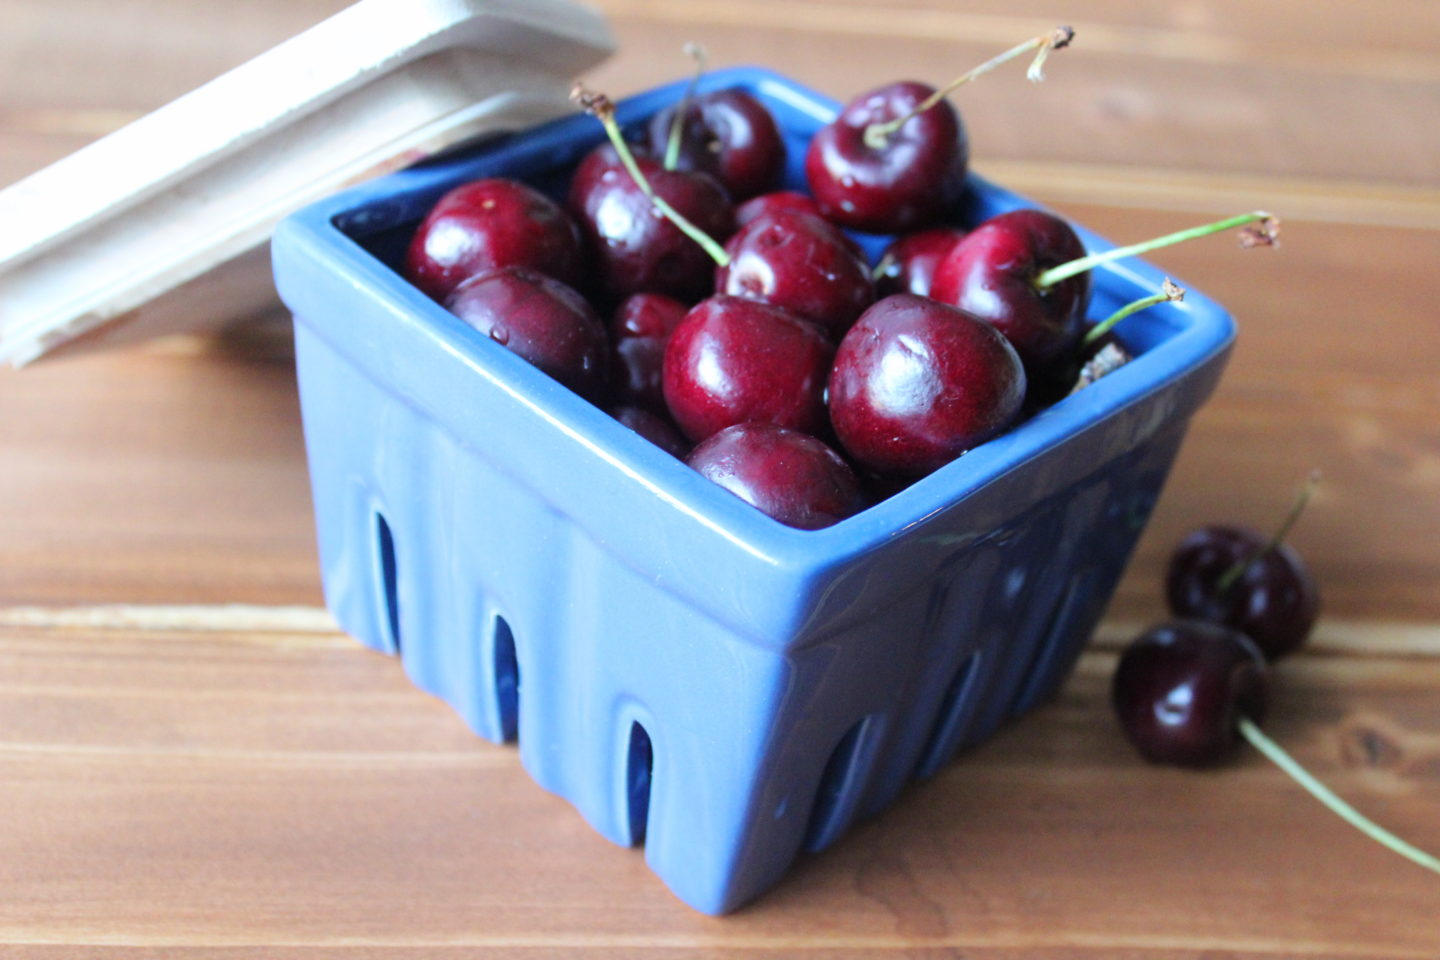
{"x":687,"y":672}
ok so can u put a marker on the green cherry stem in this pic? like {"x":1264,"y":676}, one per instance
{"x":1237,"y":569}
{"x":677,"y":123}
{"x":1276,"y":754}
{"x":1169,"y":292}
{"x":877,"y":135}
{"x":1266,"y":235}
{"x":599,"y":106}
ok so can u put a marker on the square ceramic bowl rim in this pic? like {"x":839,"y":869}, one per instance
{"x":320,"y":229}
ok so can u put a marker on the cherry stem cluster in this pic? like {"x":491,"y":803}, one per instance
{"x":1266,"y":234}
{"x":1170,"y":292}
{"x":1277,"y":755}
{"x":601,"y":108}
{"x":1239,"y":568}
{"x":677,"y":123}
{"x":877,"y":135}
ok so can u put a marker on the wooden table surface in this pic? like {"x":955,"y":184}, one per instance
{"x":186,"y":770}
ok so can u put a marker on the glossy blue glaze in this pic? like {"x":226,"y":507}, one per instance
{"x":676,"y":663}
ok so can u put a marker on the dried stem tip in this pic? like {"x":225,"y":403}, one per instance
{"x":595,"y":104}
{"x":1266,"y":233}
{"x":1059,"y":39}
{"x":1170,"y":291}
{"x":877,"y":135}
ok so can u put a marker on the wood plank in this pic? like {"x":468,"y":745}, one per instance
{"x":1204,"y":86}
{"x":1197,"y":101}
{"x":309,"y":790}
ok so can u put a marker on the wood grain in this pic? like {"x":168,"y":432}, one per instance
{"x":268,"y":790}
{"x":184,"y":778}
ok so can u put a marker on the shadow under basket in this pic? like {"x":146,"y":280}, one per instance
{"x":687,"y":672}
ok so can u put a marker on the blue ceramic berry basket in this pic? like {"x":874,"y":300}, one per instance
{"x":687,"y":672}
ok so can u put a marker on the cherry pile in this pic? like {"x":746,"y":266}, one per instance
{"x":1187,"y":691}
{"x":679,"y":288}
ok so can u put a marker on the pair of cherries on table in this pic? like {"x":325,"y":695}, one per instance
{"x":1189,"y":690}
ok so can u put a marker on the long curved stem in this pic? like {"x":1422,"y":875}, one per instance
{"x":1277,"y":755}
{"x":877,"y":135}
{"x":1169,"y":292}
{"x":1265,"y":235}
{"x":1238,"y":568}
{"x":599,"y":106}
{"x":677,"y":122}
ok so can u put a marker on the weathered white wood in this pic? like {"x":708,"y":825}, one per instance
{"x":141,"y":227}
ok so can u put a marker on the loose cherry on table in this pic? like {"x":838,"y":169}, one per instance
{"x":540,"y":319}
{"x":639,"y":330}
{"x":619,"y":200}
{"x":791,"y":476}
{"x":1186,"y":692}
{"x":895,"y":159}
{"x":1180,"y":687}
{"x":733,"y":360}
{"x":1244,"y":580}
{"x":492,"y":223}
{"x":908,"y":265}
{"x":916,"y":383}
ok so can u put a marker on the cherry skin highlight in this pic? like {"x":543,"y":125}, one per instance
{"x":781,"y":200}
{"x":916,"y":383}
{"x":633,"y":247}
{"x":789,"y":475}
{"x":1274,"y":601}
{"x":729,"y":135}
{"x":639,"y":330}
{"x":1181,"y":687}
{"x":733,"y":360}
{"x":540,"y":319}
{"x":991,"y":275}
{"x":802,"y":263}
{"x":492,"y":223}
{"x":912,"y":182}
{"x":908,"y":265}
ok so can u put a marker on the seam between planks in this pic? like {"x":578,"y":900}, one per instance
{"x":1333,"y":637}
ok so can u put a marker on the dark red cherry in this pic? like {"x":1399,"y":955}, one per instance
{"x":916,"y":383}
{"x":639,"y":330}
{"x":992,"y":275}
{"x":1274,"y":600}
{"x":733,"y":360}
{"x":492,"y":223}
{"x":782,"y":200}
{"x":635,"y":249}
{"x":1181,"y":687}
{"x":540,"y":319}
{"x":913,"y":181}
{"x":787,"y":474}
{"x":802,"y":263}
{"x":654,"y":428}
{"x":908,"y":265}
{"x":729,"y":135}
